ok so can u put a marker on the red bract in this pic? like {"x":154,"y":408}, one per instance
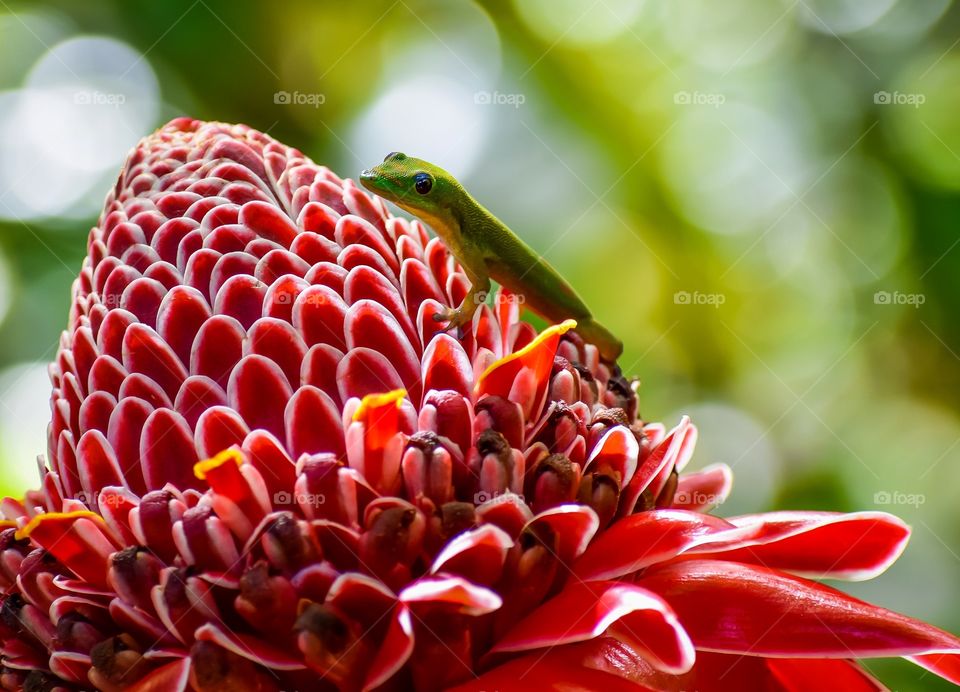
{"x":268,"y":469}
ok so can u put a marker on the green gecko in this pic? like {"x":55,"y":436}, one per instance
{"x":484,"y":247}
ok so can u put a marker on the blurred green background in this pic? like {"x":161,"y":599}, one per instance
{"x":760,"y":196}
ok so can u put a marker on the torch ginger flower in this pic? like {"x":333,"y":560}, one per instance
{"x":270,"y":469}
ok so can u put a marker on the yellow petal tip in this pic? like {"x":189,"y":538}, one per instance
{"x":202,"y":468}
{"x":36,"y":521}
{"x":371,"y":401}
{"x":551,"y":331}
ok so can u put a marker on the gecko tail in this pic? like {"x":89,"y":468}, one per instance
{"x":610,"y":346}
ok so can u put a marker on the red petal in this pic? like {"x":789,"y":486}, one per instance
{"x":661,"y":459}
{"x":368,"y":324}
{"x":455,"y":593}
{"x":217,"y":429}
{"x":555,"y":671}
{"x":241,"y":297}
{"x":313,"y":423}
{"x":258,"y":390}
{"x":644,"y":539}
{"x":145,"y":352}
{"x":446,"y":366}
{"x":79,"y":540}
{"x":800,"y":674}
{"x":251,"y":648}
{"x":318,"y":315}
{"x":167,"y":452}
{"x":395,"y":649}
{"x":280,"y":342}
{"x":197,"y":394}
{"x":815,"y":544}
{"x":182,"y":313}
{"x":268,"y":221}
{"x":617,"y":449}
{"x":478,"y":554}
{"x":97,"y":464}
{"x":730,"y":607}
{"x":365,"y":283}
{"x":364,"y":371}
{"x":217,"y":348}
{"x":586,"y":611}
{"x":573,"y":526}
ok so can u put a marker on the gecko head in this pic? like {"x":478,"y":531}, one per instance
{"x":412,"y":184}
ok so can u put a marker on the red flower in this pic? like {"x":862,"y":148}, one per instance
{"x":268,"y":469}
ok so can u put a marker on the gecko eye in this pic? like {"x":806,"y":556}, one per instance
{"x":390,"y":155}
{"x":423,"y":183}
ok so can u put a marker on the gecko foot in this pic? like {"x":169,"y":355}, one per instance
{"x":455,"y":319}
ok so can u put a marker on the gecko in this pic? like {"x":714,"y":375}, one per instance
{"x":484,"y":246}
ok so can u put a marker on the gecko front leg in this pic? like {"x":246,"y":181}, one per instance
{"x":462,"y":314}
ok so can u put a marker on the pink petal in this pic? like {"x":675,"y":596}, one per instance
{"x":700,"y":490}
